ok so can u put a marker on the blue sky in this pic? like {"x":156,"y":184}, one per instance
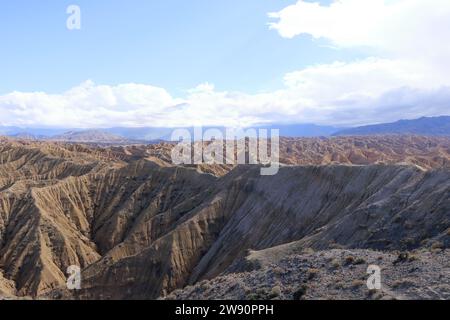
{"x":223,"y":62}
{"x":175,"y":44}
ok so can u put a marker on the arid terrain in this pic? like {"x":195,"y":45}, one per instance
{"x":334,"y":274}
{"x":142,"y":228}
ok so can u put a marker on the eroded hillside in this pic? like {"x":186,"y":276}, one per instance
{"x":140,"y":227}
{"x":426,"y":152}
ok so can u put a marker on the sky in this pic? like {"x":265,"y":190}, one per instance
{"x":225,"y":63}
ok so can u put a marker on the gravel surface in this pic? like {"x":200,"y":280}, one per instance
{"x":333,"y":274}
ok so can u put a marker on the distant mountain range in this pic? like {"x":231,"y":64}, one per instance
{"x":37,"y":132}
{"x":434,"y":126}
{"x":120,"y":135}
{"x":91,"y":136}
{"x":431,"y":126}
{"x":292,"y":130}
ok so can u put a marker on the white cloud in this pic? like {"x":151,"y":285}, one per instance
{"x":410,"y":44}
{"x":395,"y":26}
{"x":315,"y":95}
{"x":414,"y":32}
{"x":86,"y":105}
{"x":408,"y":76}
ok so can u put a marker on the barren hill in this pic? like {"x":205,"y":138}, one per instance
{"x":425,"y":152}
{"x":140,"y":227}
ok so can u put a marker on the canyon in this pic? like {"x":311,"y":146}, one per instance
{"x":140,"y":227}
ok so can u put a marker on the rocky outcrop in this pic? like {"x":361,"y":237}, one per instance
{"x":333,"y":275}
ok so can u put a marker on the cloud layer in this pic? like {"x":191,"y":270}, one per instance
{"x":406,"y":76}
{"x":404,"y":27}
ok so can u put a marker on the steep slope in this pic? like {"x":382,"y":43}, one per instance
{"x":38,"y":238}
{"x":140,"y":227}
{"x":356,"y":207}
{"x":76,"y":220}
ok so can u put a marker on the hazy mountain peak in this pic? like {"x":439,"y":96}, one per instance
{"x":431,"y":126}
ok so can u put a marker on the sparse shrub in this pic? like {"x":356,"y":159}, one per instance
{"x":402,"y":257}
{"x":300,"y":292}
{"x":335,"y":263}
{"x":413,"y":257}
{"x":357,"y":283}
{"x":204,"y":285}
{"x":246,"y":289}
{"x":349,"y":260}
{"x":275,"y":292}
{"x":437,"y":245}
{"x":312,"y":273}
{"x":251,"y":265}
{"x":260,"y":291}
{"x":308,"y":251}
{"x":278,"y":271}
{"x":260,"y":294}
{"x":338,"y":285}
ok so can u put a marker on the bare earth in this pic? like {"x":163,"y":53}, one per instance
{"x":141,"y":228}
